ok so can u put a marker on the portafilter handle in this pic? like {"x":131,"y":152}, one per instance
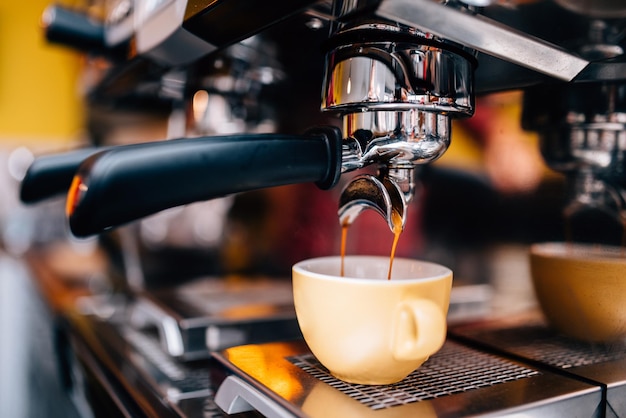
{"x":124,"y":184}
{"x":75,"y":28}
{"x":51,"y":175}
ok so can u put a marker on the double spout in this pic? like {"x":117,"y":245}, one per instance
{"x":388,"y":195}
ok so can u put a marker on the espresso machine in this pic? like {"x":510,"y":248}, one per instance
{"x":393,"y":75}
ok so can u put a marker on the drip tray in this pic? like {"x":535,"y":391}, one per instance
{"x":285,"y":379}
{"x":600,"y":364}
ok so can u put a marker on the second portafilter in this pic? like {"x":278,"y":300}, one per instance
{"x":582,"y":131}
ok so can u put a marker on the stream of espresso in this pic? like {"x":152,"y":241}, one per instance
{"x":344,"y":236}
{"x":396,"y":220}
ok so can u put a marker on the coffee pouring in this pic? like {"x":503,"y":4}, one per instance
{"x":582,"y":136}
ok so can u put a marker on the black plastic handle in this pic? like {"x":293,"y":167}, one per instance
{"x":51,"y":175}
{"x":117,"y":186}
{"x":73,"y":28}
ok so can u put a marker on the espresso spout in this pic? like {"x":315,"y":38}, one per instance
{"x":378,"y":193}
{"x":124,"y":184}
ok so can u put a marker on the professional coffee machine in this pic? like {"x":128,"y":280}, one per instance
{"x":395,"y":72}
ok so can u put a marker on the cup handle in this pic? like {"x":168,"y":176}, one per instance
{"x":419,"y":329}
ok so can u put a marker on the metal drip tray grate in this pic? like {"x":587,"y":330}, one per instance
{"x":458,"y":381}
{"x":454,"y":369}
{"x":541,"y":344}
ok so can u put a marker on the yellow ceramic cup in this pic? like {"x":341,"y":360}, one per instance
{"x":581,"y":289}
{"x":367,"y":329}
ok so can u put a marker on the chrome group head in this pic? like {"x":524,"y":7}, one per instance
{"x":396,"y":90}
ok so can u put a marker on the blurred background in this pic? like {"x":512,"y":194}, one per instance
{"x":40,"y":101}
{"x":40,"y":110}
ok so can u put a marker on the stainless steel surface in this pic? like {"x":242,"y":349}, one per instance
{"x":410,"y":71}
{"x":457,"y":381}
{"x":191,"y":320}
{"x":485,"y":35}
{"x":601,"y":364}
{"x":508,"y":33}
{"x":124,"y":373}
{"x":397,"y":139}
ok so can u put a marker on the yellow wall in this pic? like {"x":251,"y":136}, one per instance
{"x":39,"y":93}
